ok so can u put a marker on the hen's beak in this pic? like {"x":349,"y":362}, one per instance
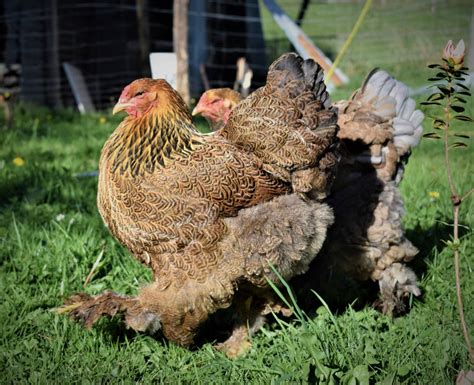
{"x":120,"y":106}
{"x":197,"y":110}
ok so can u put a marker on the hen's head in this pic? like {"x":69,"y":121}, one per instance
{"x":216,"y":104}
{"x":144,"y":95}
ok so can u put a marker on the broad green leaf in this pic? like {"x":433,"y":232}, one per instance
{"x":404,"y":370}
{"x":361,"y":373}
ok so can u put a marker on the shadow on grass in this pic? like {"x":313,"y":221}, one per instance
{"x":15,"y":189}
{"x":341,"y":291}
{"x":431,"y":241}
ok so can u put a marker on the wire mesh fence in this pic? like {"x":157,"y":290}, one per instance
{"x":399,"y":36}
{"x":105,"y":39}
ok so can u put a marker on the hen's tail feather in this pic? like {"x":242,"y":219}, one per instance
{"x":383,"y":117}
{"x":292,"y":77}
{"x":288,"y":62}
{"x":307,"y":74}
{"x":380,"y":88}
{"x":314,"y":81}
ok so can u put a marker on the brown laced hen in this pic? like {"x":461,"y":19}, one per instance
{"x":379,"y":125}
{"x":215,"y":105}
{"x":206,"y":212}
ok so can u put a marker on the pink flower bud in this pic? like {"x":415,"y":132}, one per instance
{"x":454,"y":54}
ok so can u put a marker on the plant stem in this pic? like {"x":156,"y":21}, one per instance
{"x":456,"y":200}
{"x":457,"y":271}
{"x":467,"y":194}
{"x":447,"y":120}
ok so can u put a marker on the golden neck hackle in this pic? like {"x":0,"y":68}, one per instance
{"x":143,"y":144}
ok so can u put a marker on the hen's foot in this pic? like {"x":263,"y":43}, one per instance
{"x":397,"y":283}
{"x":87,"y":309}
{"x":237,"y":344}
{"x":249,"y":318}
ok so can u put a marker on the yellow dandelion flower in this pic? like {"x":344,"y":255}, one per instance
{"x":18,"y":161}
{"x":433,"y":194}
{"x":102,"y":120}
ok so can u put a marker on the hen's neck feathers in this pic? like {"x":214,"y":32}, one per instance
{"x":143,"y":144}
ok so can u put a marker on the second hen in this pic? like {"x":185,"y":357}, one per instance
{"x":379,"y":125}
{"x":211,"y":214}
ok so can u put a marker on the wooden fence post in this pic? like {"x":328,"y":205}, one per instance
{"x":180,"y":42}
{"x":143,"y":34}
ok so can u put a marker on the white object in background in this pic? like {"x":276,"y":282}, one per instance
{"x":79,"y":88}
{"x":164,"y":66}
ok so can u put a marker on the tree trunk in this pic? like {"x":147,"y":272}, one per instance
{"x":180,"y":42}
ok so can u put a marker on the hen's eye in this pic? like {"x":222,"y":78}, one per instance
{"x":139,"y":93}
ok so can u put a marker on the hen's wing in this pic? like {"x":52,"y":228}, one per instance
{"x":288,"y":124}
{"x":171,"y":219}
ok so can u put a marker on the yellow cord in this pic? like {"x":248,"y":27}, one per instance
{"x":349,"y":39}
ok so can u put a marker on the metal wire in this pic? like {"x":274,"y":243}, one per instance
{"x":106,"y":45}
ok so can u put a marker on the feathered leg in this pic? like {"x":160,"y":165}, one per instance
{"x":247,"y":320}
{"x":250,"y":313}
{"x":88,"y":309}
{"x":149,"y":312}
{"x":396,"y":284}
{"x":239,"y":342}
